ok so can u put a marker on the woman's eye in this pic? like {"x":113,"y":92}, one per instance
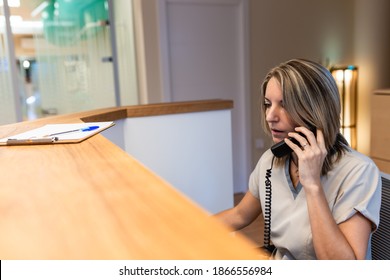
{"x":267,"y":104}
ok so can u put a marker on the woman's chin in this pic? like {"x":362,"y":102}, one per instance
{"x":277,"y":140}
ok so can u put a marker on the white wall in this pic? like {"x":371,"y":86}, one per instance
{"x":191,"y":151}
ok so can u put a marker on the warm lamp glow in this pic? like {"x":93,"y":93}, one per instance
{"x":346,"y":80}
{"x":338,"y":75}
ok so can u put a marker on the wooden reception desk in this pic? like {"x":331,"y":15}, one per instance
{"x":93,"y":201}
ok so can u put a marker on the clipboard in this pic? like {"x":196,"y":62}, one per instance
{"x":57,"y":134}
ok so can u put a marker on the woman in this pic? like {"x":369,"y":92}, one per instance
{"x":325,"y":197}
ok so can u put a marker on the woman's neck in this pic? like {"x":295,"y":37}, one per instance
{"x":294,"y":169}
{"x":294,"y":159}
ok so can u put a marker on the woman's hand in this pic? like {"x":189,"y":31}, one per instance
{"x":311,"y":155}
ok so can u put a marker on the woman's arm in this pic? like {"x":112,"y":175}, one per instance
{"x":348,"y":240}
{"x":243,"y":214}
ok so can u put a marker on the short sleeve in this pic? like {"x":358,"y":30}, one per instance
{"x":254,"y":182}
{"x":360,"y":192}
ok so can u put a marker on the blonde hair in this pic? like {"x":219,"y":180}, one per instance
{"x":311,"y":98}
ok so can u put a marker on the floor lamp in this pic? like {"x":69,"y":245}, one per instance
{"x":346,"y":80}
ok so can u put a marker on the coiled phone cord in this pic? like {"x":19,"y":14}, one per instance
{"x":267,"y":209}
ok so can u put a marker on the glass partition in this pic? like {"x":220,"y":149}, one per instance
{"x":8,"y":107}
{"x":64,"y":58}
{"x":73,"y":51}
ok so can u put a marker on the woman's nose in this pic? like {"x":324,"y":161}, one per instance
{"x":272,"y":114}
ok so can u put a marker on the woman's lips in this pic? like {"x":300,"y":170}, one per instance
{"x":278,"y":134}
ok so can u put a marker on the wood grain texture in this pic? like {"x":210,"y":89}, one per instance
{"x":93,"y":201}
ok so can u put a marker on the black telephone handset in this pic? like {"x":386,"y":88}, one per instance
{"x":281,"y":149}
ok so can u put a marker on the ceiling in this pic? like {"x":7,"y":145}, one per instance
{"x":25,"y":9}
{"x":29,"y":24}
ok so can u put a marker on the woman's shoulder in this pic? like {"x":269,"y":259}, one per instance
{"x":354,"y":160}
{"x":267,"y":156}
{"x":264,"y":161}
{"x":357,"y":157}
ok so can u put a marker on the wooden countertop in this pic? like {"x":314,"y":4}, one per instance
{"x":93,"y":201}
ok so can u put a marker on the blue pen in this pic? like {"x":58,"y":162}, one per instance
{"x":89,"y":128}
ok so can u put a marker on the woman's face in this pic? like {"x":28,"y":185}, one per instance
{"x":277,"y":117}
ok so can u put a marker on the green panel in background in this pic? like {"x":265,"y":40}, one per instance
{"x":66,"y":22}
